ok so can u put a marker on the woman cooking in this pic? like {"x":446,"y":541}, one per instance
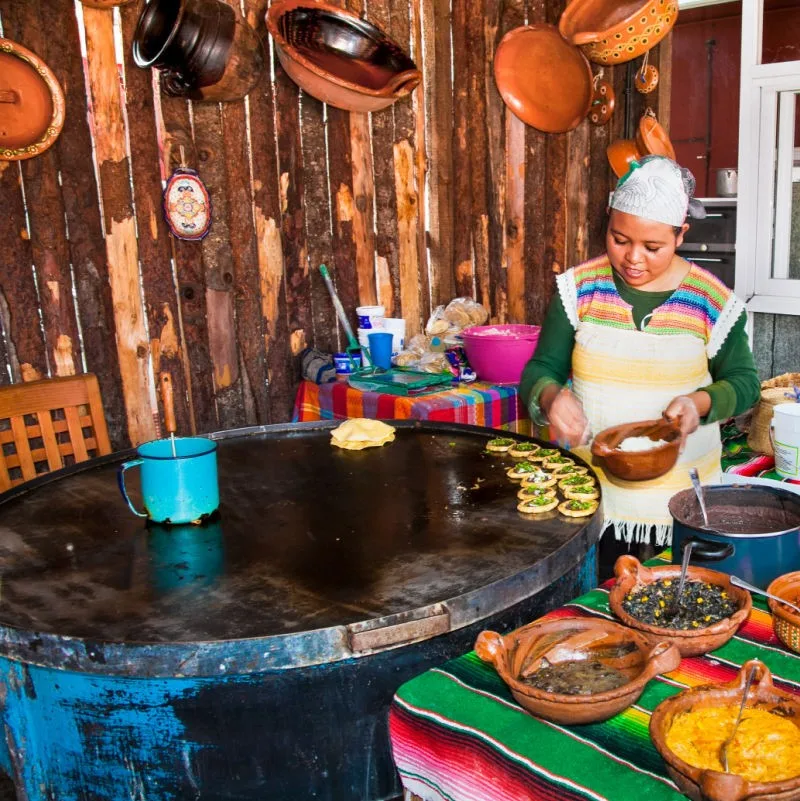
{"x":643,"y":332}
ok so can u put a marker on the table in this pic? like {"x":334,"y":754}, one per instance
{"x":458,"y":735}
{"x":739,"y":458}
{"x":491,"y":405}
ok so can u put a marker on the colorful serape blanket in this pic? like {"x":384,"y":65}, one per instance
{"x":458,"y":734}
{"x":739,"y":458}
{"x":494,"y":406}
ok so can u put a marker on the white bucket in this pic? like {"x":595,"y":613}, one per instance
{"x":370,"y":316}
{"x":785,"y":431}
{"x":396,"y":326}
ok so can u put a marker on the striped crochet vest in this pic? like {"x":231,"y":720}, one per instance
{"x":622,"y":374}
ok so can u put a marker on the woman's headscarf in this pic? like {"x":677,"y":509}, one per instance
{"x":658,"y":189}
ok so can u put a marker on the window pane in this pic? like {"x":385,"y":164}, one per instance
{"x":786,"y":231}
{"x":781,"y":32}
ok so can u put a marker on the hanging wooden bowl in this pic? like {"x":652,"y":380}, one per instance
{"x":616,"y":31}
{"x":339,"y":58}
{"x":543,"y":79}
{"x":31,"y":103}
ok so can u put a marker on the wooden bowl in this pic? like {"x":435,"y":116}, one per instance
{"x":712,"y":785}
{"x":543,"y":79}
{"x":620,"y":154}
{"x":630,"y":573}
{"x":638,"y":465}
{"x":616,"y":31}
{"x":785,"y":621}
{"x":339,"y":58}
{"x":569,"y":639}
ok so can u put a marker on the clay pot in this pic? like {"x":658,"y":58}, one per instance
{"x":339,"y":58}
{"x":651,"y":138}
{"x":646,"y":80}
{"x":519,"y":653}
{"x":630,"y":572}
{"x":205,"y":49}
{"x":620,"y":154}
{"x":613,"y":32}
{"x":785,"y":621}
{"x":543,"y":79}
{"x":603,"y":102}
{"x":31,"y":103}
{"x":710,"y":785}
{"x":638,"y":465}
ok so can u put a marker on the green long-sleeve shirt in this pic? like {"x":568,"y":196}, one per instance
{"x":735,"y":386}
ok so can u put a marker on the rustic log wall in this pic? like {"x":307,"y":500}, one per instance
{"x":443,"y":194}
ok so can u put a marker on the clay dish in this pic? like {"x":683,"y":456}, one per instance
{"x":543,"y":79}
{"x":339,"y":58}
{"x":631,"y":573}
{"x":713,"y":785}
{"x":651,"y":138}
{"x":520,"y":652}
{"x":31,"y":103}
{"x":620,"y":154}
{"x":638,"y":465}
{"x":785,"y":621}
{"x":616,"y":31}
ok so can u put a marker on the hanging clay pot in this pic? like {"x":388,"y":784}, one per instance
{"x":646,"y":78}
{"x":603,"y":102}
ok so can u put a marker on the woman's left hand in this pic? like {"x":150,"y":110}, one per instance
{"x":683,"y":409}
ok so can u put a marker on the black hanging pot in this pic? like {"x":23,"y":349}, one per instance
{"x":204,"y":49}
{"x":753,"y":533}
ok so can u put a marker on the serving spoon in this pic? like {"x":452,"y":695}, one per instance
{"x":672,"y":609}
{"x":737,"y":582}
{"x":723,"y":749}
{"x":698,"y":490}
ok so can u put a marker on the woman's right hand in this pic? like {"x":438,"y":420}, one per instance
{"x":568,"y":424}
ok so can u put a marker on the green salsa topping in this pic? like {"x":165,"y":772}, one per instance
{"x":577,"y":481}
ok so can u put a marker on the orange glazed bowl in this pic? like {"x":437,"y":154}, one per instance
{"x":785,"y":621}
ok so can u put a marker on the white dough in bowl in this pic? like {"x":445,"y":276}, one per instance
{"x":633,"y":444}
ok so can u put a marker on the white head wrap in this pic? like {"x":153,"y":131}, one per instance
{"x":657,"y":189}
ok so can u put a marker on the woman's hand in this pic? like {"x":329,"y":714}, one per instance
{"x":684,"y":410}
{"x":568,"y":424}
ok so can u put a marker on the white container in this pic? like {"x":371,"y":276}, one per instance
{"x":785,"y":433}
{"x":370,"y":316}
{"x":397,"y":327}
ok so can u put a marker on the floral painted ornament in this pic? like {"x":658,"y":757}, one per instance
{"x":187,"y":206}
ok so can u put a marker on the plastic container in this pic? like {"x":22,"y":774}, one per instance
{"x":370,"y":316}
{"x":785,"y":432}
{"x":396,"y":326}
{"x":343,"y":364}
{"x":498,"y":353}
{"x":380,"y":349}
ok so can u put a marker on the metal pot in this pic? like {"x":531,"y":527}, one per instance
{"x":756,"y":557}
{"x":727,"y":182}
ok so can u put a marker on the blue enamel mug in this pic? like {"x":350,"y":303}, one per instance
{"x":178,"y":487}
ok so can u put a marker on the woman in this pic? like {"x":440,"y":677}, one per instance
{"x":643,"y":332}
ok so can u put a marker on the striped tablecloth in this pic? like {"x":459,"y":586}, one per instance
{"x":477,"y":404}
{"x":458,"y":735}
{"x":739,"y":458}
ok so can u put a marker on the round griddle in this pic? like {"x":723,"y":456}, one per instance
{"x":320,"y":550}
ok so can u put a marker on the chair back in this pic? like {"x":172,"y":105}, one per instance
{"x":49,"y":424}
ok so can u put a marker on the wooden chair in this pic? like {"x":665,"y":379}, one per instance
{"x":46,"y":425}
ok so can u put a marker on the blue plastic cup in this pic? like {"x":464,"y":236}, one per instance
{"x":380,"y":349}
{"x":177,"y":487}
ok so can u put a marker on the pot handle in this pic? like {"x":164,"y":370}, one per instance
{"x":585,"y":38}
{"x":709,"y":551}
{"x":403,"y":83}
{"x":627,"y":565}
{"x":121,"y":481}
{"x":490,"y":647}
{"x":716,"y":786}
{"x":664,"y":657}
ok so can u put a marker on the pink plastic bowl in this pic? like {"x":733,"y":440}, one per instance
{"x":500,"y":358}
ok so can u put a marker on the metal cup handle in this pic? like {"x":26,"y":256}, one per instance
{"x":121,"y":481}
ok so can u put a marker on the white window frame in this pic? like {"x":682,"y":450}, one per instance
{"x":756,"y":281}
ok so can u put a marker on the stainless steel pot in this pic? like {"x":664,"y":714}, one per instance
{"x":727,"y":182}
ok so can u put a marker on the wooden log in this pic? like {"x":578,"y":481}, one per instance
{"x":120,"y":228}
{"x":463,"y":263}
{"x":478,"y":148}
{"x":663,"y":58}
{"x":267,"y":217}
{"x":45,"y":209}
{"x":5,"y":359}
{"x":247,"y":303}
{"x":87,"y":250}
{"x":218,"y":267}
{"x":438,"y":97}
{"x":155,"y":248}
{"x":577,"y":194}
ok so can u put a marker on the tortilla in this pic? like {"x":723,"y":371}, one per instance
{"x":554,"y":462}
{"x":539,"y":479}
{"x":536,"y":506}
{"x":574,"y":508}
{"x":360,"y":432}
{"x":581,"y":480}
{"x":523,"y":450}
{"x":525,"y":493}
{"x":585,"y":492}
{"x":570,"y":470}
{"x":500,"y":444}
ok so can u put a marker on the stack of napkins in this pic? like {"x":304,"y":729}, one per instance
{"x":360,"y":433}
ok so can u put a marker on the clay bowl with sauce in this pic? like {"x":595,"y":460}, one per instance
{"x":786,"y":621}
{"x":638,"y":465}
{"x":712,"y":785}
{"x":579,"y":644}
{"x":631,"y":575}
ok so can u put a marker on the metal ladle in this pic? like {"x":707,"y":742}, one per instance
{"x":698,"y":490}
{"x":737,"y":582}
{"x":723,"y":749}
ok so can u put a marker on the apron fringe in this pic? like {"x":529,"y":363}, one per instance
{"x":640,"y":532}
